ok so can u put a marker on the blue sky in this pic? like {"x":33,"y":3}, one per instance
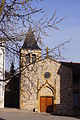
{"x":70,"y":27}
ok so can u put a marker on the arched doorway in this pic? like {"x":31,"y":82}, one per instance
{"x":46,"y":99}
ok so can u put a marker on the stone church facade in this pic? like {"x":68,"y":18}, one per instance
{"x":45,"y":84}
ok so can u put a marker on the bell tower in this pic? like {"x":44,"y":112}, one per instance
{"x":30,"y":51}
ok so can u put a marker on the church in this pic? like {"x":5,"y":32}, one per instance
{"x":47,"y":85}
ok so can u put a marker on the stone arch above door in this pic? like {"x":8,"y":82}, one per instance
{"x":46,"y":91}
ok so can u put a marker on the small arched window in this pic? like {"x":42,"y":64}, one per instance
{"x":28,"y":58}
{"x":33,"y":58}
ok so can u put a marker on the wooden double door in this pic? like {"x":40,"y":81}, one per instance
{"x":46,"y":104}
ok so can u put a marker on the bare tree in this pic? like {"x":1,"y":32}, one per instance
{"x":17,"y":15}
{"x":15,"y":18}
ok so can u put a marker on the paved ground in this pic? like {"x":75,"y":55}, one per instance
{"x":14,"y":114}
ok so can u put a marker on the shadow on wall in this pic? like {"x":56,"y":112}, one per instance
{"x":66,"y":93}
{"x":12,"y":92}
{"x":49,"y":109}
